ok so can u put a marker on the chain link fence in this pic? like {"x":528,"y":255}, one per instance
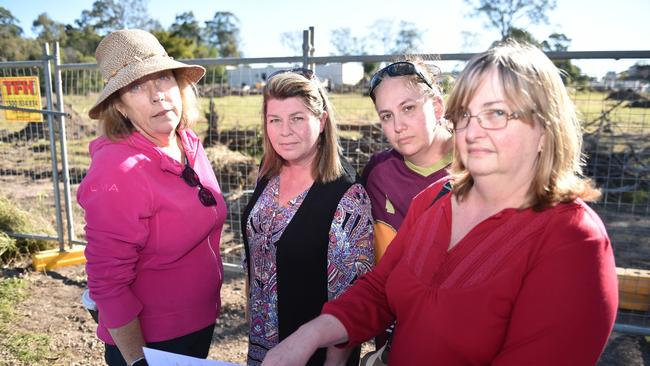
{"x":616,"y":143}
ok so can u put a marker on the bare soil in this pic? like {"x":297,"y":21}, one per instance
{"x":54,"y":308}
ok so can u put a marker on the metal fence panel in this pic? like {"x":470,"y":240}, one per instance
{"x":616,"y":139}
{"x":26,"y":162}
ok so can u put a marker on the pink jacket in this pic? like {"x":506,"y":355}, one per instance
{"x":153,"y":248}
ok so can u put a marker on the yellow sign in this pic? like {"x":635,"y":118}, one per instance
{"x":23,"y":92}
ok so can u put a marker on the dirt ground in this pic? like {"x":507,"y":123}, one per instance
{"x":54,"y":307}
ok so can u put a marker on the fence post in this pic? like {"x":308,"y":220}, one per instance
{"x":312,"y":47}
{"x":55,"y":166}
{"x":305,"y":48}
{"x":64,"y":144}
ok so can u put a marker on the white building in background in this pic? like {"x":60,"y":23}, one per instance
{"x":332,"y":75}
{"x":611,"y":82}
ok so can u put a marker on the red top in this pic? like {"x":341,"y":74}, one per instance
{"x":521,"y":288}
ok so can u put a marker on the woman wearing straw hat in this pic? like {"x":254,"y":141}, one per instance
{"x":153,"y":207}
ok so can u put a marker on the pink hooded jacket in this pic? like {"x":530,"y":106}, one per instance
{"x":153,"y":248}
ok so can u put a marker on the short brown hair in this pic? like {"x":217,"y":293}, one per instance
{"x":532,"y":84}
{"x":115,"y":127}
{"x":327,"y":165}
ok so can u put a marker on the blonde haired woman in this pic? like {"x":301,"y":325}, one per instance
{"x":510,"y":268}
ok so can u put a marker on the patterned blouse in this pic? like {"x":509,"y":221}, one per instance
{"x":350,"y":254}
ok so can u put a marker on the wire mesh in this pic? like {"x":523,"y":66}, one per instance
{"x":26,"y":163}
{"x":615,"y":120}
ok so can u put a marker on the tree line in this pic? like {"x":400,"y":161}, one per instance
{"x":188,"y":38}
{"x":185,"y":38}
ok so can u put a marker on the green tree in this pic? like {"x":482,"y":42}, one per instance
{"x":81,"y":43}
{"x":176,"y":47}
{"x":107,"y":16}
{"x":48,"y":30}
{"x":12,"y":46}
{"x":571,"y":74}
{"x":222,"y":32}
{"x":137,"y":16}
{"x":522,"y":36}
{"x":9,"y":24}
{"x":556,"y":42}
{"x":504,"y":14}
{"x":185,"y":25}
{"x":639,"y":71}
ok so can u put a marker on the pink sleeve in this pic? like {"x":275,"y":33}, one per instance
{"x":567,"y":305}
{"x":117,"y":205}
{"x":363,"y":308}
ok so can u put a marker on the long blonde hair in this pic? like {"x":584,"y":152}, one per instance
{"x":534,"y":88}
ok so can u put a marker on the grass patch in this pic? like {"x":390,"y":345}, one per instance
{"x":7,"y":244}
{"x":81,"y":103}
{"x":18,"y":347}
{"x":353,"y":109}
{"x":29,"y":348}
{"x":15,"y":220}
{"x":12,"y":291}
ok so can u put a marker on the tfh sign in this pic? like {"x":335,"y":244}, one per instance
{"x":23,"y":92}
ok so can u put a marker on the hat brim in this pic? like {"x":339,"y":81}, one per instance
{"x":137,"y":70}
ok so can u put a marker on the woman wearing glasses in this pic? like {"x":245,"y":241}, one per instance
{"x":308,"y":227}
{"x":511,"y":267}
{"x":153,"y":208}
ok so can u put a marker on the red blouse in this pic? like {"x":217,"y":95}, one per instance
{"x":521,"y":288}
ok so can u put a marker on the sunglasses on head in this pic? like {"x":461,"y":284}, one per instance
{"x":401,"y":68}
{"x":306,"y":73}
{"x":192,"y":179}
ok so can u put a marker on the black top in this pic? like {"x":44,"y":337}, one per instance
{"x":301,"y":256}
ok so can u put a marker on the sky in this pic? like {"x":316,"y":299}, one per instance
{"x":592,"y":25}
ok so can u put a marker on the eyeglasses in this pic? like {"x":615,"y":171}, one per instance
{"x":401,"y":68}
{"x":306,"y":73}
{"x":489,"y":119}
{"x":192,"y":179}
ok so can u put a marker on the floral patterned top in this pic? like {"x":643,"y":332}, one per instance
{"x":350,"y":254}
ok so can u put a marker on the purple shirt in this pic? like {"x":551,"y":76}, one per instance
{"x":391,"y":185}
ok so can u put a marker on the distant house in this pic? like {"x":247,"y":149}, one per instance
{"x":611,"y":81}
{"x":333,"y":76}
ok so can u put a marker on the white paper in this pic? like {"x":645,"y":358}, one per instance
{"x":161,"y":358}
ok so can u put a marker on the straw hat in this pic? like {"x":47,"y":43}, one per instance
{"x":127,"y":55}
